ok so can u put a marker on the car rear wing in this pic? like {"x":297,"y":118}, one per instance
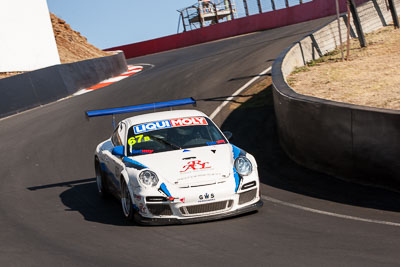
{"x":153,"y":106}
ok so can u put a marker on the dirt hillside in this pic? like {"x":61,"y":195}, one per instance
{"x":369,"y":78}
{"x":72,"y":46}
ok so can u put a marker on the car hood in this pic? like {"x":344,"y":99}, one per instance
{"x":193,"y":166}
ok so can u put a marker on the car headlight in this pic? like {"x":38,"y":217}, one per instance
{"x":148,"y":178}
{"x":243,"y":166}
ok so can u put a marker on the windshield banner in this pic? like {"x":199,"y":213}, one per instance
{"x":157,"y":125}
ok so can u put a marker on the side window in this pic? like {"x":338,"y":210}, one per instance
{"x":115,"y":138}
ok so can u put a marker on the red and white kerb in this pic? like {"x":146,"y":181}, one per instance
{"x":131,"y":71}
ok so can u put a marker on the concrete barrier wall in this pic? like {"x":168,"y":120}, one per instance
{"x":35,"y":88}
{"x":354,"y":142}
{"x":274,"y":19}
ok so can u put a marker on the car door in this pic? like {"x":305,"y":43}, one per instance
{"x":115,"y":164}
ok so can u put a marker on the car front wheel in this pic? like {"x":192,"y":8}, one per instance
{"x":126,"y":201}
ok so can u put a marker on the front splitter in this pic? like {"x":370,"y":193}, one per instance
{"x":168,"y":221}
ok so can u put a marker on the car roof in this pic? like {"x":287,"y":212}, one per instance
{"x":163,"y":115}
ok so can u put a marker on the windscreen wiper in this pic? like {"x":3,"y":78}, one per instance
{"x":165,"y":142}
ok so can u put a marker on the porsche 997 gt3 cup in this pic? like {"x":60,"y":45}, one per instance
{"x":175,"y":167}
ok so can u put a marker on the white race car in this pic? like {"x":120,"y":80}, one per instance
{"x":176,"y":167}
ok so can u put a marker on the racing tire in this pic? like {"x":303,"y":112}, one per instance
{"x":126,"y":201}
{"x":101,"y":180}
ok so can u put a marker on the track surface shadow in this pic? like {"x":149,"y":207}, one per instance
{"x":83,"y":198}
{"x":253,"y":125}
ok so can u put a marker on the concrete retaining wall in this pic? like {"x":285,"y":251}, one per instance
{"x":32,"y":89}
{"x":355,"y":142}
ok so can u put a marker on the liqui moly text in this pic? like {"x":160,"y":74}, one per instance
{"x":157,"y":125}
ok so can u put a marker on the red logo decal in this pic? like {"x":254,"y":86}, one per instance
{"x":196,"y":165}
{"x":188,"y":121}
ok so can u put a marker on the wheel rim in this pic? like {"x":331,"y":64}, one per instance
{"x":126,"y":200}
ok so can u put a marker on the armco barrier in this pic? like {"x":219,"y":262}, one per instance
{"x":274,"y":19}
{"x":353,"y":142}
{"x":35,"y":88}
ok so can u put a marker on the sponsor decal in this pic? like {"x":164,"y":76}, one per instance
{"x":176,"y":199}
{"x":142,"y":151}
{"x":200,"y":175}
{"x":157,"y":125}
{"x":206,"y":197}
{"x":216,"y":143}
{"x":138,"y":139}
{"x":137,"y":197}
{"x":147,"y":127}
{"x":196,"y":165}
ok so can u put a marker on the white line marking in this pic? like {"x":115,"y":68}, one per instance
{"x":329,"y":213}
{"x":223,"y":104}
{"x":147,"y":64}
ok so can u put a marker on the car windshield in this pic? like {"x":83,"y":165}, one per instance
{"x":166,"y":135}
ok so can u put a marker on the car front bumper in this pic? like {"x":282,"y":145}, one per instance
{"x":168,"y":221}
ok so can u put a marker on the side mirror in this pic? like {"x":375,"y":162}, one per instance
{"x":228,"y":134}
{"x":118,"y":151}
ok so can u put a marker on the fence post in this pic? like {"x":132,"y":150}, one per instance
{"x":199,"y":10}
{"x":339,"y":28}
{"x":231,"y":9}
{"x":259,"y":6}
{"x":357,"y":23}
{"x":273,"y":5}
{"x":395,"y":18}
{"x":183,"y":21}
{"x":216,"y":12}
{"x":246,"y":9}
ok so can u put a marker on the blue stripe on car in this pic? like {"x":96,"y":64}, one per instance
{"x":237,"y":179}
{"x":130,"y":163}
{"x":236,"y":153}
{"x":164,"y":189}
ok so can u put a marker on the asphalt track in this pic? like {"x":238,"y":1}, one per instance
{"x":50,"y":214}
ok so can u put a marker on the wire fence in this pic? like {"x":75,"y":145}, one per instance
{"x":255,"y":6}
{"x":198,"y":15}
